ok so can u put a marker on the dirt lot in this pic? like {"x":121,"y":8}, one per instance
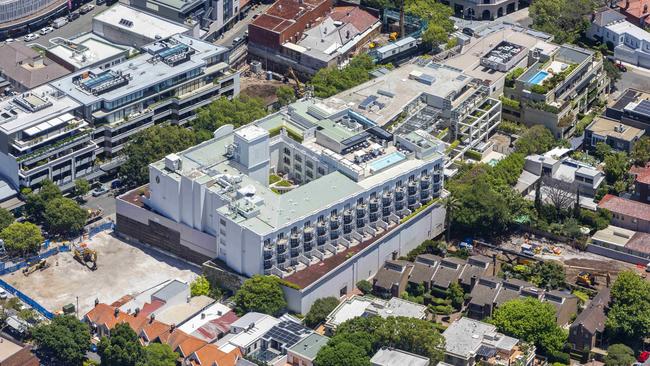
{"x":260,"y":88}
{"x":122,"y":269}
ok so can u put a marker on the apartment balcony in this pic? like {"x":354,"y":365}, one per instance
{"x":268,"y":252}
{"x":321,"y":240}
{"x":361,"y":223}
{"x":282,"y":246}
{"x":308,"y":247}
{"x":399,"y":194}
{"x":321,"y":229}
{"x":268,"y":264}
{"x":374,"y":205}
{"x":386,"y":200}
{"x":374,"y":217}
{"x":335,"y":235}
{"x":361,"y":210}
{"x":385,"y":211}
{"x":334,"y":223}
{"x":436,"y":178}
{"x":412,"y":200}
{"x":308,"y":234}
{"x":412,"y":188}
{"x":73,"y":128}
{"x":399,"y":206}
{"x":282,"y":259}
{"x":347,"y":228}
{"x":347,"y":216}
{"x":295,"y":252}
{"x":425,"y":182}
{"x":294,"y":241}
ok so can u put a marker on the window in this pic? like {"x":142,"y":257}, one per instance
{"x":222,"y":222}
{"x":309,"y":164}
{"x":287,"y":151}
{"x":343,"y":291}
{"x":321,"y":171}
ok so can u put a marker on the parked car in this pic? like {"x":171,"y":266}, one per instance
{"x":73,"y":16}
{"x":46,"y":30}
{"x":100,"y":2}
{"x":3,"y":294}
{"x":9,"y":40}
{"x":99,"y":191}
{"x":59,"y":22}
{"x":30,"y":37}
{"x":116,"y":184}
{"x":86,"y":8}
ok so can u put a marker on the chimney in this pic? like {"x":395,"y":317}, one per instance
{"x":494,"y":264}
{"x":172,"y":327}
{"x":96,"y":301}
{"x":627,"y":4}
{"x":202,"y":315}
{"x":152,"y":318}
{"x":472,"y":282}
{"x":137,"y":311}
{"x":116,"y":312}
{"x":645,"y":8}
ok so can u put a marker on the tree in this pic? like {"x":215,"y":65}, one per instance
{"x":159,"y":354}
{"x":81,"y":187}
{"x":612,"y":71}
{"x":408,"y":334}
{"x":558,"y":193}
{"x":550,"y":275}
{"x":149,"y":145}
{"x":237,"y":111}
{"x":64,"y":216}
{"x":320,"y":310}
{"x":481,"y":209}
{"x":456,"y":294}
{"x":616,"y":166}
{"x":22,"y":237}
{"x":6,"y":218}
{"x":629,"y":312}
{"x":35,"y":201}
{"x":531,"y":321}
{"x":641,"y":151}
{"x":261,"y":294}
{"x":364,"y":286}
{"x":602,"y":150}
{"x":64,"y":341}
{"x":123,"y":348}
{"x":342,"y":354}
{"x":619,"y":355}
{"x":200,"y":286}
{"x":286,"y":95}
{"x":438,"y":18}
{"x":332,"y":80}
{"x":535,"y":140}
{"x":451,"y":203}
{"x":565,"y":19}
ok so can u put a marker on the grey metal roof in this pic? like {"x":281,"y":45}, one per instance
{"x":170,"y":290}
{"x":393,"y":357}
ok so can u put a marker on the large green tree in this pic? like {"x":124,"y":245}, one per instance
{"x":159,"y":354}
{"x":629,"y":312}
{"x":286,"y":95}
{"x":565,"y":19}
{"x":261,"y":294}
{"x":149,"y":145}
{"x":223,"y":111}
{"x":35,"y":201}
{"x":123,"y":348}
{"x":616,"y":166}
{"x":619,"y":355}
{"x":320,"y":310}
{"x":332,"y":80}
{"x":64,"y":341}
{"x":200,"y":286}
{"x":641,"y":151}
{"x":64,"y":216}
{"x":81,"y":187}
{"x":532,"y":321}
{"x":438,"y":18}
{"x":22,"y":237}
{"x":535,"y":140}
{"x":6,"y":218}
{"x":342,"y":354}
{"x":549,"y":274}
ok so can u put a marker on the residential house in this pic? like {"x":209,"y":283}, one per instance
{"x":152,"y":330}
{"x":618,"y":135}
{"x":630,"y":43}
{"x":16,"y":354}
{"x":621,"y":244}
{"x":469,"y":342}
{"x":180,"y":313}
{"x":484,"y":10}
{"x":247,"y":332}
{"x":279,"y":339}
{"x":424,"y":269}
{"x":211,"y":355}
{"x":588,"y":329}
{"x":641,"y":182}
{"x":25,"y":68}
{"x":304,"y":352}
{"x":566,"y":305}
{"x":635,"y":11}
{"x":628,"y":214}
{"x":476,"y":267}
{"x":393,"y":356}
{"x":448,"y":272}
{"x":392,"y":278}
{"x":558,"y":83}
{"x":632,"y":109}
{"x":103,"y":318}
{"x":362,"y":306}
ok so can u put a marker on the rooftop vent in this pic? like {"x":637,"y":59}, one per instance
{"x":126,"y":23}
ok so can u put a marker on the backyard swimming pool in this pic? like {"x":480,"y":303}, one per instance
{"x":386,"y":161}
{"x":538,"y":78}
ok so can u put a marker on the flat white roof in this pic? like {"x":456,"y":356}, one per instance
{"x":260,"y":328}
{"x":212,"y":312}
{"x":140,"y":22}
{"x":629,"y":28}
{"x":95,"y":50}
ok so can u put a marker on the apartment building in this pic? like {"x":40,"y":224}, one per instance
{"x":630,"y":43}
{"x":59,"y":130}
{"x":484,"y":9}
{"x":619,"y":136}
{"x":632,"y":108}
{"x":558,"y":83}
{"x":168,"y":81}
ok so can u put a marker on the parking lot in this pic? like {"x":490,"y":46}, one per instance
{"x":122,"y":269}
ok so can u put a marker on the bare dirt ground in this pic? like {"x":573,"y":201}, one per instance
{"x":260,"y":88}
{"x":122,"y":269}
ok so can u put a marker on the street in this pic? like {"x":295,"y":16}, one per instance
{"x":241,"y":26}
{"x":635,"y":77}
{"x":81,"y":25}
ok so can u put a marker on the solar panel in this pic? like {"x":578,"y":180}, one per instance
{"x":287,"y":332}
{"x":643,"y":108}
{"x":368,"y":102}
{"x":486,"y":351}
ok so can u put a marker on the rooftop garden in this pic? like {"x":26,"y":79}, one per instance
{"x":551,"y":82}
{"x":513,"y":75}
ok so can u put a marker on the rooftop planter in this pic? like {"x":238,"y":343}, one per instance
{"x":512,"y":76}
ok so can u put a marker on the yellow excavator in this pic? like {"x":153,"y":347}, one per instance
{"x":300,"y":90}
{"x":35,"y":266}
{"x":85,"y":256}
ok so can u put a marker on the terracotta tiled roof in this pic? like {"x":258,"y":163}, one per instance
{"x":154,"y":305}
{"x":189,"y":346}
{"x":634,"y":8}
{"x":211,"y":354}
{"x":153,"y":329}
{"x":642,"y":173}
{"x":625,"y":207}
{"x":105,"y":315}
{"x":361,"y":19}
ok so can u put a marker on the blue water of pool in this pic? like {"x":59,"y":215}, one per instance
{"x":538,"y":78}
{"x":386,"y":161}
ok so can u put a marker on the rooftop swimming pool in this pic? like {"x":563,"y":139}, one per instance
{"x":538,"y":78}
{"x":386,"y":161}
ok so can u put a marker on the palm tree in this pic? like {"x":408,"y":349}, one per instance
{"x":451,"y":203}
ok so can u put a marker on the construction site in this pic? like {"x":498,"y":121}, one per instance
{"x":103,"y":268}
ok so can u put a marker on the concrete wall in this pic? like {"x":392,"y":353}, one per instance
{"x":158,"y":231}
{"x":618,"y":255}
{"x":428,"y":224}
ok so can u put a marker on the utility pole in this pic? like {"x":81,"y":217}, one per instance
{"x":401,"y":20}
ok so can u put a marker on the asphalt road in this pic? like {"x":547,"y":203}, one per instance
{"x":83,"y":24}
{"x":241,"y":26}
{"x":634,"y":77}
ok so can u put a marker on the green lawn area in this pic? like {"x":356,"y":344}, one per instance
{"x":273,"y":178}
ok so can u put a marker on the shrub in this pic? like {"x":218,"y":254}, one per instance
{"x":364,"y":286}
